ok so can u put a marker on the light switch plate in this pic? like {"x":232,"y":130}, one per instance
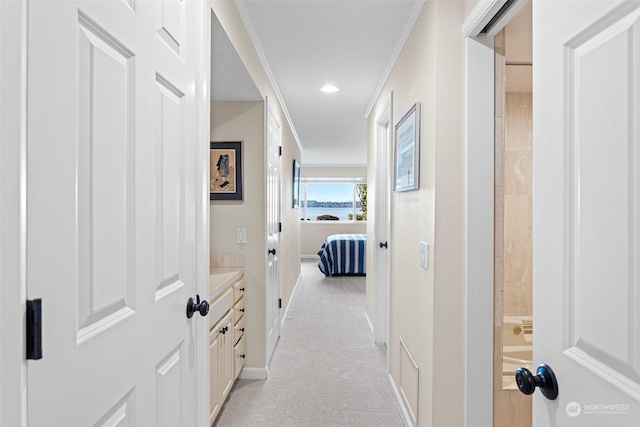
{"x":241,"y":234}
{"x":424,"y":254}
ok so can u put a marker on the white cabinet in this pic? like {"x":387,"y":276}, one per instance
{"x":226,"y":344}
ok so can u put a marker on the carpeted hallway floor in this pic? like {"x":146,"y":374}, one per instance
{"x":326,"y":370}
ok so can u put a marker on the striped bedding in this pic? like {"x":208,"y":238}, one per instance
{"x":343,"y":254}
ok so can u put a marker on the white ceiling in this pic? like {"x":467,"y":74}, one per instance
{"x":309,"y":43}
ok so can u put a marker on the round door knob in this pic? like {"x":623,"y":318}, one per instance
{"x":272,"y":251}
{"x":384,"y":245}
{"x":196,"y":305}
{"x":544,"y":379}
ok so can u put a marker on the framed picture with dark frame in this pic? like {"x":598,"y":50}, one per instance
{"x":225,"y":182}
{"x":407,"y":151}
{"x":296,"y":184}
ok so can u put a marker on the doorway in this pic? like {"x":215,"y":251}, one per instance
{"x":513,"y":264}
{"x":382,"y":225}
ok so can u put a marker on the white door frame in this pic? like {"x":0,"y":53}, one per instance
{"x":384,"y":138}
{"x":13,"y":144}
{"x":203,"y":111}
{"x":269,"y":112}
{"x":479,"y":215}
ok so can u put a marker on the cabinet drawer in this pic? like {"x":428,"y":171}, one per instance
{"x":239,"y":354}
{"x":238,"y":330}
{"x":238,"y":290}
{"x":220,"y":306}
{"x":238,"y":310}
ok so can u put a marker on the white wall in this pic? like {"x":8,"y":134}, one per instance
{"x":231,"y":21}
{"x":314,"y":233}
{"x":427,"y":305}
{"x":244,"y":121}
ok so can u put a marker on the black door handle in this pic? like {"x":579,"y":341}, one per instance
{"x":384,"y":245}
{"x":545,"y":380}
{"x":196,"y":305}
{"x":272,"y":251}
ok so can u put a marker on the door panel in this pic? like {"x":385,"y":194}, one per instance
{"x":586,"y":200}
{"x":111,"y":218}
{"x":273,"y":237}
{"x":104,"y":184}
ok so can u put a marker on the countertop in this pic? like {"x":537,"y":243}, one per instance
{"x":221,"y":278}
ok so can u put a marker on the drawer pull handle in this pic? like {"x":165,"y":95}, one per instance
{"x":241,"y":310}
{"x":242,"y":289}
{"x":241,"y":329}
{"x":242,"y":355}
{"x":224,"y":330}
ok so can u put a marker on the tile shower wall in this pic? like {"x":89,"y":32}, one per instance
{"x":512,"y":227}
{"x":517,"y":255}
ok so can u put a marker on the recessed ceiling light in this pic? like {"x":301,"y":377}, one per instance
{"x":329,"y":88}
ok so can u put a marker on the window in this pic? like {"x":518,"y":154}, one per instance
{"x":327,"y":201}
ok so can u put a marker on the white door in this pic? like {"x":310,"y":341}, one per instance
{"x":382,"y":228}
{"x":273,"y":232}
{"x":586,"y":210}
{"x":111,"y":217}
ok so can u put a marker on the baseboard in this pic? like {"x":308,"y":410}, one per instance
{"x":253,"y":373}
{"x":404,"y":414}
{"x":368,"y":322}
{"x":295,"y":288}
{"x":309,"y":257}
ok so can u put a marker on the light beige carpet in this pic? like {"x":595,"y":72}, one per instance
{"x":326,"y":369}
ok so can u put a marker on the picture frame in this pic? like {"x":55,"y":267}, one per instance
{"x":225,"y":160}
{"x":407,"y":151}
{"x":296,"y":185}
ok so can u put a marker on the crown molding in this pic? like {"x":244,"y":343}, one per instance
{"x":396,"y":54}
{"x":265,"y":64}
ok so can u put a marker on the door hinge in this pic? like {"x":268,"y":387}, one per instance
{"x":34,"y":329}
{"x":279,"y":302}
{"x":280,"y":227}
{"x":280,"y":150}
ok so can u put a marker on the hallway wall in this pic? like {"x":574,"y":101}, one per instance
{"x":231,"y":21}
{"x":427,"y":305}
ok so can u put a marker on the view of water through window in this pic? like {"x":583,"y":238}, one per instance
{"x":330,"y":202}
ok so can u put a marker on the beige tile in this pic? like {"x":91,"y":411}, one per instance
{"x":501,"y":409}
{"x":497,"y":357}
{"x":498,"y":137}
{"x":527,"y":299}
{"x":498,"y":224}
{"x":498,"y":290}
{"x":517,"y":173}
{"x":518,"y":129}
{"x":520,"y":414}
{"x":517,"y":218}
{"x":517,"y":261}
{"x":519,"y":100}
{"x":513,"y":303}
{"x":500,"y":84}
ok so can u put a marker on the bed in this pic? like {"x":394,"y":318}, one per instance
{"x":343,"y":255}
